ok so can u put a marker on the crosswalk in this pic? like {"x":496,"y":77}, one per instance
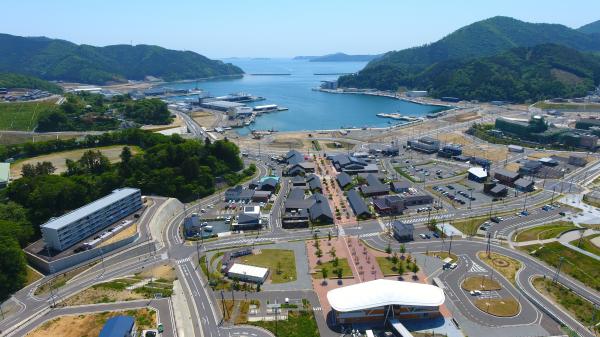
{"x":181,"y":261}
{"x":428,"y":218}
{"x":369,"y":235}
{"x":475,"y":268}
{"x":489,"y":294}
{"x":245,"y":241}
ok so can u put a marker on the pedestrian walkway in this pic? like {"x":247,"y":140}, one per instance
{"x":425,"y":219}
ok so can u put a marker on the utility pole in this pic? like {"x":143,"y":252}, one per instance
{"x":223,"y":304}
{"x":471,"y":197}
{"x":488,"y":247}
{"x":450,"y":246}
{"x":198,"y":253}
{"x":525,"y":203}
{"x":557,"y":274}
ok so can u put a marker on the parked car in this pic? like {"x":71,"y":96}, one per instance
{"x":475,"y":292}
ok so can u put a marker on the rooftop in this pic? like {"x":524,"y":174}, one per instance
{"x":90,"y":208}
{"x":479,"y":172}
{"x":244,"y":269}
{"x":117,"y":326}
{"x":382,"y":292}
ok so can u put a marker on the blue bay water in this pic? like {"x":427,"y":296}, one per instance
{"x":308,"y":109}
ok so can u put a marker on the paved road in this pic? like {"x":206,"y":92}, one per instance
{"x":531,"y":268}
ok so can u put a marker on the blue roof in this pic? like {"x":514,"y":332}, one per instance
{"x":269,"y":177}
{"x":82,"y":212}
{"x":118,"y":326}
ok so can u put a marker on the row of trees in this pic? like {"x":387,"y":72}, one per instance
{"x":86,"y":111}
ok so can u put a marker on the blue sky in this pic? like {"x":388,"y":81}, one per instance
{"x":222,"y":28}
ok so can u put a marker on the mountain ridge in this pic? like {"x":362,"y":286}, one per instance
{"x":57,"y":59}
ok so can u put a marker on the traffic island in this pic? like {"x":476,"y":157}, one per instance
{"x":505,"y":265}
{"x":500,"y":307}
{"x":480,"y":283}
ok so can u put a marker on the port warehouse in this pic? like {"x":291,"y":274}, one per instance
{"x":385,"y":301}
{"x":67,"y":230}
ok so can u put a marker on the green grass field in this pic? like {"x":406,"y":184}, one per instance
{"x":580,"y":308}
{"x":586,"y":244}
{"x":576,"y":265}
{"x":281,"y":263}
{"x":343,"y":263}
{"x":298,"y":324}
{"x":544,"y":232}
{"x":23,"y":116}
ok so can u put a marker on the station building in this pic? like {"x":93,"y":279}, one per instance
{"x":385,"y":301}
{"x":67,"y":230}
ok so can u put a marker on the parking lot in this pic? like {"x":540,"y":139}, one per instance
{"x":463,"y":194}
{"x":428,"y":170}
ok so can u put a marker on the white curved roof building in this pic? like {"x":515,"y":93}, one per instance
{"x":380,"y":293}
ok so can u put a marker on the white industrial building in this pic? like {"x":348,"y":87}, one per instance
{"x":67,"y":230}
{"x":248,"y":273}
{"x":416,"y":93}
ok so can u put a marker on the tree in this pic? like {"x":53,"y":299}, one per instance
{"x":335,"y":262}
{"x":401,"y":267}
{"x":328,"y":236}
{"x":44,"y":168}
{"x":388,"y":249}
{"x":339,"y":272}
{"x":13,"y":266}
{"x":332,"y":252}
{"x":278,"y":268}
{"x":415,"y":269}
{"x":319,"y":253}
{"x":402,"y":250}
{"x":93,"y":162}
{"x":28,"y":170}
{"x":324,"y":273}
{"x":395,"y":258}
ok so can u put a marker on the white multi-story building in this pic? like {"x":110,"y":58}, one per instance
{"x":65,"y":231}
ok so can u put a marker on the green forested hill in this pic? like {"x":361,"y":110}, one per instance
{"x":591,"y":28}
{"x":9,"y":80}
{"x":53,"y":59}
{"x":484,"y":38}
{"x":521,"y":74}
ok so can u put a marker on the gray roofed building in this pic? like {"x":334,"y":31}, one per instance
{"x":246,"y":195}
{"x":294,"y":157}
{"x":373,"y":190}
{"x":498,"y":190}
{"x":296,"y":194}
{"x":247,"y":221}
{"x":530,"y":167}
{"x":403,"y":231}
{"x":344,"y":179}
{"x":524,"y":185}
{"x":320,"y":210}
{"x":298,"y":181}
{"x":357,"y":204}
{"x":372,"y":179}
{"x":400,"y":186}
{"x":314,"y":182}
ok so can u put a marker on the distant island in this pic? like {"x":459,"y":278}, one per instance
{"x":499,"y":58}
{"x":338,"y":57}
{"x":60,"y":60}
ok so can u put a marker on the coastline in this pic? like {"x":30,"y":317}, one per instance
{"x":385,"y":94}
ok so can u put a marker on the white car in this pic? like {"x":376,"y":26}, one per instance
{"x":475,"y":292}
{"x":422,"y":236}
{"x":453,"y":266}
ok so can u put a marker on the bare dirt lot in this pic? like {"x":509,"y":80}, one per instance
{"x":58,"y":159}
{"x":462,"y":117}
{"x":90,"y":324}
{"x":494,"y":153}
{"x":205,"y":118}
